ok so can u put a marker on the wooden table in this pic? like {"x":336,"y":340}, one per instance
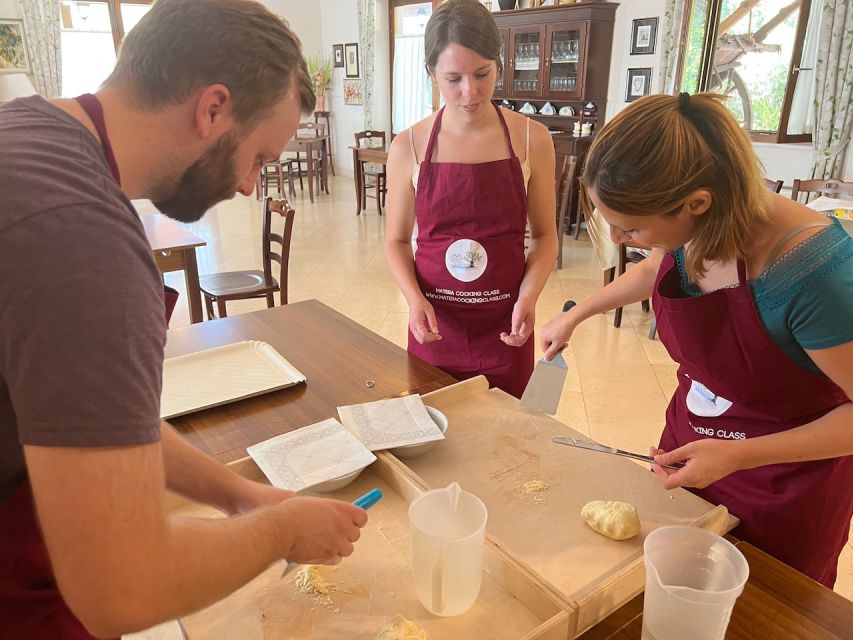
{"x":778,"y":603}
{"x":361,"y":155}
{"x":174,"y":250}
{"x":337,"y":356}
{"x":307,"y":145}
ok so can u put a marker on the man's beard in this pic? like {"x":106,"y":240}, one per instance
{"x":211,"y":179}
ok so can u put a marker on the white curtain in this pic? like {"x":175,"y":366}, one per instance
{"x":412,"y":94}
{"x":41,"y":24}
{"x":802,"y":105}
{"x":367,"y":36}
{"x":833,"y":89}
{"x":673,"y":19}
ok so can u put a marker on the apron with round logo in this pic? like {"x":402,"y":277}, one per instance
{"x":470,"y":262}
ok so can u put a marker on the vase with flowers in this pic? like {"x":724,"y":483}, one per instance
{"x":320,"y":71}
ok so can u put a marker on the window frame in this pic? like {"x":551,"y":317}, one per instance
{"x":706,"y":66}
{"x":114,"y":8}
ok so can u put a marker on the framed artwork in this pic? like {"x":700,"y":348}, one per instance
{"x":352,"y":92}
{"x":338,"y":55}
{"x":644,"y":33}
{"x":351,"y":59}
{"x":13,"y":48}
{"x":639,"y":83}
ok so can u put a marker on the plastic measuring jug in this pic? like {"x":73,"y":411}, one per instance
{"x":693,"y":578}
{"x":448,"y":530}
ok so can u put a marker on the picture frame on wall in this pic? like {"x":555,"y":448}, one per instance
{"x":351,"y":59}
{"x":639,"y":83}
{"x":352,"y":92}
{"x":644,"y":33}
{"x":338,"y":55}
{"x":13,"y":47}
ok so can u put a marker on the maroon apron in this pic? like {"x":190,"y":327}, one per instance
{"x":735,"y":383}
{"x":470,"y":263}
{"x":30,"y":603}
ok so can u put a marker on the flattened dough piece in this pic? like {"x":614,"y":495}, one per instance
{"x":401,"y":629}
{"x":612,"y":519}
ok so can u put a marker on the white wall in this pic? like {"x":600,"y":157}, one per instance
{"x":304,"y":19}
{"x":10,"y":9}
{"x":620,"y":58}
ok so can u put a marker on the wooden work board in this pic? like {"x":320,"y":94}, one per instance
{"x":493,"y":445}
{"x":375,"y":583}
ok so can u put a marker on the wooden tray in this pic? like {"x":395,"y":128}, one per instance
{"x":375,"y":583}
{"x":493,"y":445}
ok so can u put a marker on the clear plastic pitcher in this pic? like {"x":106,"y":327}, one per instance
{"x":448,"y":530}
{"x":693,"y":578}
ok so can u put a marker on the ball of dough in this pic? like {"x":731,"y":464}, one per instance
{"x":612,"y":519}
{"x":401,"y":629}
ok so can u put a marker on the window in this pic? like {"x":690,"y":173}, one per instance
{"x":761,"y":54}
{"x":91,"y":34}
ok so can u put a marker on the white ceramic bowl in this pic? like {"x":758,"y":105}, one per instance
{"x":415,"y":450}
{"x":330,"y":486}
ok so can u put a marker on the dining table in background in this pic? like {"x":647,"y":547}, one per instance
{"x":308,"y":145}
{"x":174,"y":250}
{"x":343,"y":363}
{"x":361,"y":155}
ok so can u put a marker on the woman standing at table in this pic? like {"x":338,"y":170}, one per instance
{"x":472,"y":176}
{"x":753,"y":296}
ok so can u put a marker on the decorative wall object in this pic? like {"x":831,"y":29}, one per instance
{"x":351,"y":59}
{"x":352,"y":92}
{"x":644,"y":33}
{"x":13,"y":48}
{"x":338,"y":55}
{"x":639,"y":83}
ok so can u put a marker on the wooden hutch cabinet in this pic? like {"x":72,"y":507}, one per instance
{"x":559,"y":54}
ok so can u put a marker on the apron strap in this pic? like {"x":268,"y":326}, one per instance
{"x":436,"y":126}
{"x":506,"y":132}
{"x":92,"y":106}
{"x":774,"y":253}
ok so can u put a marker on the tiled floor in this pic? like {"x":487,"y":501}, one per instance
{"x":619,"y":381}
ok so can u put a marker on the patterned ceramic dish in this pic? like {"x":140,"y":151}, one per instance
{"x":415,"y":450}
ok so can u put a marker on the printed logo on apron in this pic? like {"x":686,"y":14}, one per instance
{"x":701,"y":401}
{"x":466,"y":260}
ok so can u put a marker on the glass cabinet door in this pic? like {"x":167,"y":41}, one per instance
{"x":566,"y":47}
{"x":527,"y":47}
{"x":500,"y":81}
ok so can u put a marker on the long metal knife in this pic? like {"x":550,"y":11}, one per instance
{"x":594,"y":446}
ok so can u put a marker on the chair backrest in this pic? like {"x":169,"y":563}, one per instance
{"x":368,"y":136}
{"x":276,"y":246}
{"x":774,"y":185}
{"x":566,"y":186}
{"x":315,"y":128}
{"x":829,"y":187}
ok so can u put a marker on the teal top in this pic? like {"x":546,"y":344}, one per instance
{"x":805,"y":298}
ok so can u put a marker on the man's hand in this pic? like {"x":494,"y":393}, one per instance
{"x":323,"y":531}
{"x":256,"y":494}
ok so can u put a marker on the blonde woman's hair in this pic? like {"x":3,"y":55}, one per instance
{"x":655,"y":153}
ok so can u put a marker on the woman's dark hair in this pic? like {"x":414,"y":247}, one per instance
{"x":464,"y":22}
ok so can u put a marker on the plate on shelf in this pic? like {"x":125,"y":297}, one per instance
{"x":567,"y":111}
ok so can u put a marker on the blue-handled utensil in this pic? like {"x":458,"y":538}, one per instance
{"x":365,"y":502}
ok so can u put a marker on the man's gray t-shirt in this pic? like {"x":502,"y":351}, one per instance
{"x":82,"y":325}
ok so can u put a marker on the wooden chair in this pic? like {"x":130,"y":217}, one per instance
{"x":566,"y":188}
{"x":829,"y":187}
{"x":326,"y":116}
{"x":242,"y":285}
{"x":371,"y":175}
{"x":773,"y":185}
{"x":315,"y":129}
{"x":275,"y":173}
